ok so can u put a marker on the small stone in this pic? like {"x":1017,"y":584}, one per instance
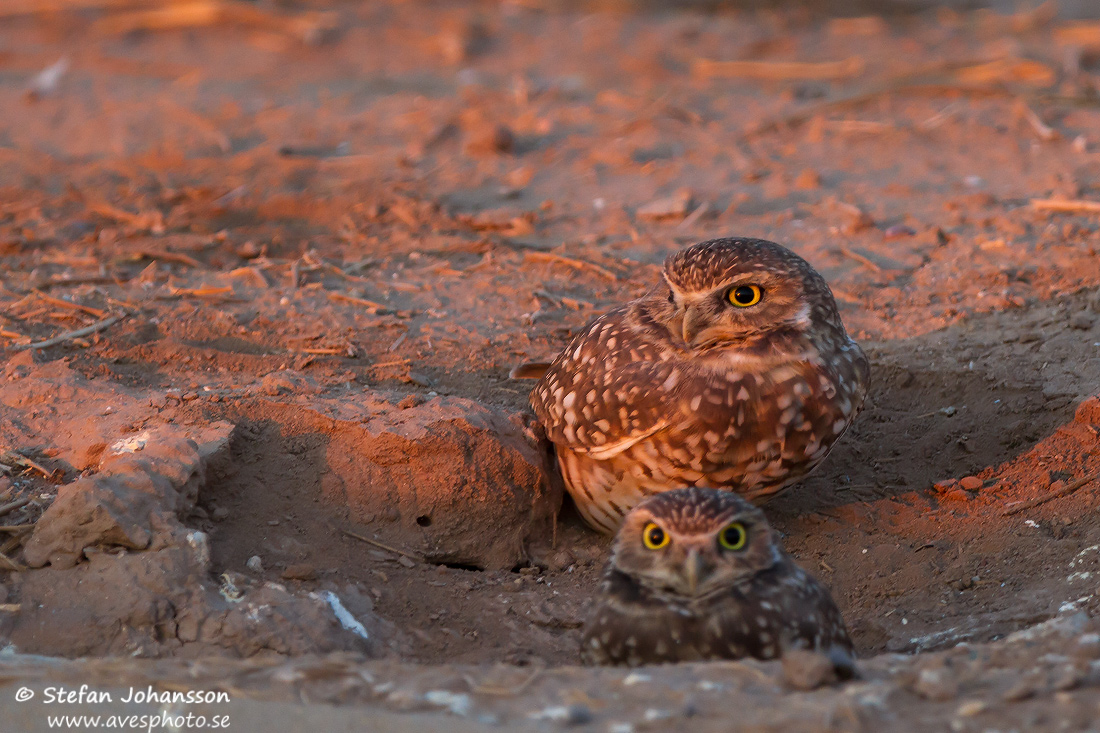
{"x":255,"y":564}
{"x":805,"y":670}
{"x":219,"y":514}
{"x":560,"y":560}
{"x":936,"y":684}
{"x":807,"y":180}
{"x":956,"y":495}
{"x":576,"y":715}
{"x":665,"y":208}
{"x":492,"y":139}
{"x":249,"y":250}
{"x":410,"y":401}
{"x":945,"y":486}
{"x":970,"y":483}
{"x":1088,"y":647}
{"x":1081,"y":321}
{"x":897,"y":231}
{"x":858,"y":220}
{"x":300,"y":571}
{"x":1020,"y":691}
{"x":405,"y":562}
{"x":970,"y":708}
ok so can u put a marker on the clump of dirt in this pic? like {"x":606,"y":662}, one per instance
{"x":447,"y":480}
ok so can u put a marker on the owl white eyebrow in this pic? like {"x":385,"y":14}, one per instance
{"x":802,"y":318}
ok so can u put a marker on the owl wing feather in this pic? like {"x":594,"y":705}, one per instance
{"x":607,"y":391}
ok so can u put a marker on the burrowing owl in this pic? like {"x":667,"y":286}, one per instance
{"x":735,"y":372}
{"x":699,"y":574}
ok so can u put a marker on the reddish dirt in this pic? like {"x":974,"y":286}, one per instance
{"x":408,"y":209}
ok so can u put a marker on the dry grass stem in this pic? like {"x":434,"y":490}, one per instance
{"x":578,"y":264}
{"x":779,"y":70}
{"x":70,"y":335}
{"x":1067,"y":206}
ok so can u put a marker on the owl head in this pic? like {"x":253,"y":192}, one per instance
{"x":751,"y":292}
{"x":694,"y":542}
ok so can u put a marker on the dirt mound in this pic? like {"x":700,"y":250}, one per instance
{"x":447,"y":479}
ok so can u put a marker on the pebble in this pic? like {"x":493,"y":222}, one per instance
{"x":493,"y":138}
{"x":970,"y":483}
{"x":566,"y":715}
{"x":249,"y":250}
{"x":1081,"y":321}
{"x":560,"y":560}
{"x":1020,"y":691}
{"x":970,"y":708}
{"x":807,"y":180}
{"x":945,"y":485}
{"x":405,"y":562}
{"x":665,"y":208}
{"x":936,"y":684}
{"x":300,"y":571}
{"x":1088,"y":647}
{"x":255,"y":564}
{"x":898,"y":230}
{"x":805,"y":670}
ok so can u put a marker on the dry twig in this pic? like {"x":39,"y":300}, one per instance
{"x":309,"y":27}
{"x":1045,"y":132}
{"x":1064,"y":491}
{"x":16,"y":528}
{"x":779,"y":70}
{"x":6,"y":563}
{"x":73,"y":306}
{"x":201,"y":292}
{"x":381,"y":546}
{"x":372,"y":307}
{"x":862,"y":259}
{"x":11,"y":506}
{"x":165,"y":256}
{"x":578,"y":264}
{"x":70,"y":335}
{"x":1067,"y":206}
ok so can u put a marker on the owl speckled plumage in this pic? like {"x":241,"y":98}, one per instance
{"x":699,"y":574}
{"x":735,"y":372}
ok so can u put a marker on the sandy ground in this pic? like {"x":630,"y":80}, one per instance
{"x":318,"y":225}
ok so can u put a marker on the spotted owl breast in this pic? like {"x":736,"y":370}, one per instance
{"x":762,"y":430}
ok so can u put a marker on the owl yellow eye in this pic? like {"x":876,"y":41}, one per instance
{"x":745,"y":295}
{"x":733,"y":537}
{"x":653,"y":537}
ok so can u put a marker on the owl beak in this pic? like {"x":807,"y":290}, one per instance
{"x":693,"y":566}
{"x":692,"y":325}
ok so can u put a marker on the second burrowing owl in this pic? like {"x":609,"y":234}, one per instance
{"x":734,"y":372}
{"x":699,"y":574}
